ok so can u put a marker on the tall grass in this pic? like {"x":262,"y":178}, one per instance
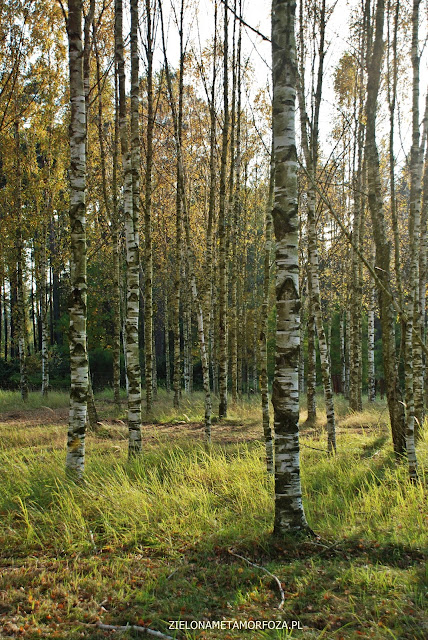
{"x":216,"y":496}
{"x":12,"y":401}
{"x":179,"y":493}
{"x":149,"y":538}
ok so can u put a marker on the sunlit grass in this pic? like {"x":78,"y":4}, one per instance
{"x":149,"y":538}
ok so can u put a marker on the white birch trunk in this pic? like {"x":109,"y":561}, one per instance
{"x":222,"y":261}
{"x":150,"y":357}
{"x":322,"y":340}
{"x":289,"y":513}
{"x":342,"y":352}
{"x":44,"y":314}
{"x":312,"y":371}
{"x":78,"y":353}
{"x":167,"y":350}
{"x":132,"y":255}
{"x":416,"y":166}
{"x":371,"y":384}
{"x":267,"y":431}
{"x":20,"y":302}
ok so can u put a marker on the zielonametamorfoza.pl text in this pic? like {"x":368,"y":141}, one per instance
{"x":226,"y":625}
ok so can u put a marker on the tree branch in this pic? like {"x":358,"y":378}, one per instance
{"x":257,"y":566}
{"x":242,"y":21}
{"x":133,"y":627}
{"x":369,"y":267}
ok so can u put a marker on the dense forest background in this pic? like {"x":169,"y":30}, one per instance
{"x":34,"y":172}
{"x":199,"y":144}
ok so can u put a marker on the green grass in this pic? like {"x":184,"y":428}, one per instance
{"x":12,"y":401}
{"x":191,"y":405}
{"x":147,"y":541}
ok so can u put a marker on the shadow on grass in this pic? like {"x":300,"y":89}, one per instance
{"x":218,"y":586}
{"x":376,"y":445}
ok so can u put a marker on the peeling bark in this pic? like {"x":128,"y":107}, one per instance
{"x":132,"y":246}
{"x":289,"y":513}
{"x":77,"y":336}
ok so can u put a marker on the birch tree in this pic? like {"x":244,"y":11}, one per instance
{"x":148,"y":257}
{"x":179,"y":213}
{"x":20,"y":302}
{"x":267,"y":431}
{"x":222,"y":213}
{"x":130,"y":191}
{"x":289,"y":512}
{"x":44,"y":312}
{"x":383,"y":252}
{"x":416,"y":165}
{"x":310,"y":145}
{"x":371,"y":382}
{"x":77,"y":336}
{"x":184,"y":209}
{"x":376,"y":208}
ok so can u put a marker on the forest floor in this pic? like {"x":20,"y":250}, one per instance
{"x":152,"y":540}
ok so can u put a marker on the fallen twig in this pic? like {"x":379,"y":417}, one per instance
{"x":132,"y":627}
{"x":332,"y":547}
{"x":317,"y":544}
{"x":257,"y":566}
{"x":173,"y":573}
{"x":302,"y":444}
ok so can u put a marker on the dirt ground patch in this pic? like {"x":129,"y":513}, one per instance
{"x":34,"y":417}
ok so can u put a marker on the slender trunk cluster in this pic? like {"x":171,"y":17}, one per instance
{"x":383,"y":257}
{"x":189,"y":260}
{"x":111,"y":208}
{"x":322,"y":340}
{"x":116,"y":257}
{"x":310,"y":144}
{"x":423,"y":279}
{"x":342,"y":351}
{"x":236,"y":212}
{"x":210,"y":290}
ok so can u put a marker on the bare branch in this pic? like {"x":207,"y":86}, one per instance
{"x":257,"y":566}
{"x":133,"y":627}
{"x":242,"y":21}
{"x":366,"y":263}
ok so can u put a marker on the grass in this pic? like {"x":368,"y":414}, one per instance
{"x":11,"y":401}
{"x":147,"y":541}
